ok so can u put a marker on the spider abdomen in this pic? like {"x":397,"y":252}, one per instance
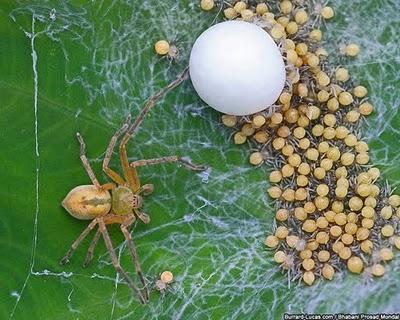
{"x":87,"y":202}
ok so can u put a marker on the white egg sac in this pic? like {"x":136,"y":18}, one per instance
{"x":236,"y":68}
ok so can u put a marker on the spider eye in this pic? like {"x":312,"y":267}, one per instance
{"x":137,"y":201}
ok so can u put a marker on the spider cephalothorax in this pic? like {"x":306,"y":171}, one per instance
{"x":124,"y":201}
{"x":118,"y":202}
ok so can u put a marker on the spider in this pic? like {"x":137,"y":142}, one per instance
{"x":119,"y":201}
{"x":164,"y":282}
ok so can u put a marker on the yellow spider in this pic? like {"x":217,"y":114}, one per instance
{"x":119,"y":201}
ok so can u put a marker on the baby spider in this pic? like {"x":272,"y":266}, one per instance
{"x":120,"y":201}
{"x":164,"y":283}
{"x":164,"y":48}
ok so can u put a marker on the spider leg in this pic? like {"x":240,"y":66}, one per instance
{"x":108,"y":186}
{"x":93,"y":244}
{"x":131,"y":174}
{"x":187,"y":163}
{"x":109,"y":172}
{"x":77,"y":242}
{"x":85,"y":161}
{"x":115,"y":262}
{"x":132,"y":249}
{"x":146,"y":189}
{"x":144,"y":217}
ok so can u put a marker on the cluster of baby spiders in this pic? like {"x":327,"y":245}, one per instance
{"x":120,"y":201}
{"x":332,"y":210}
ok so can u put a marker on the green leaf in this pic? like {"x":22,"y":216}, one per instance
{"x":83,"y":66}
